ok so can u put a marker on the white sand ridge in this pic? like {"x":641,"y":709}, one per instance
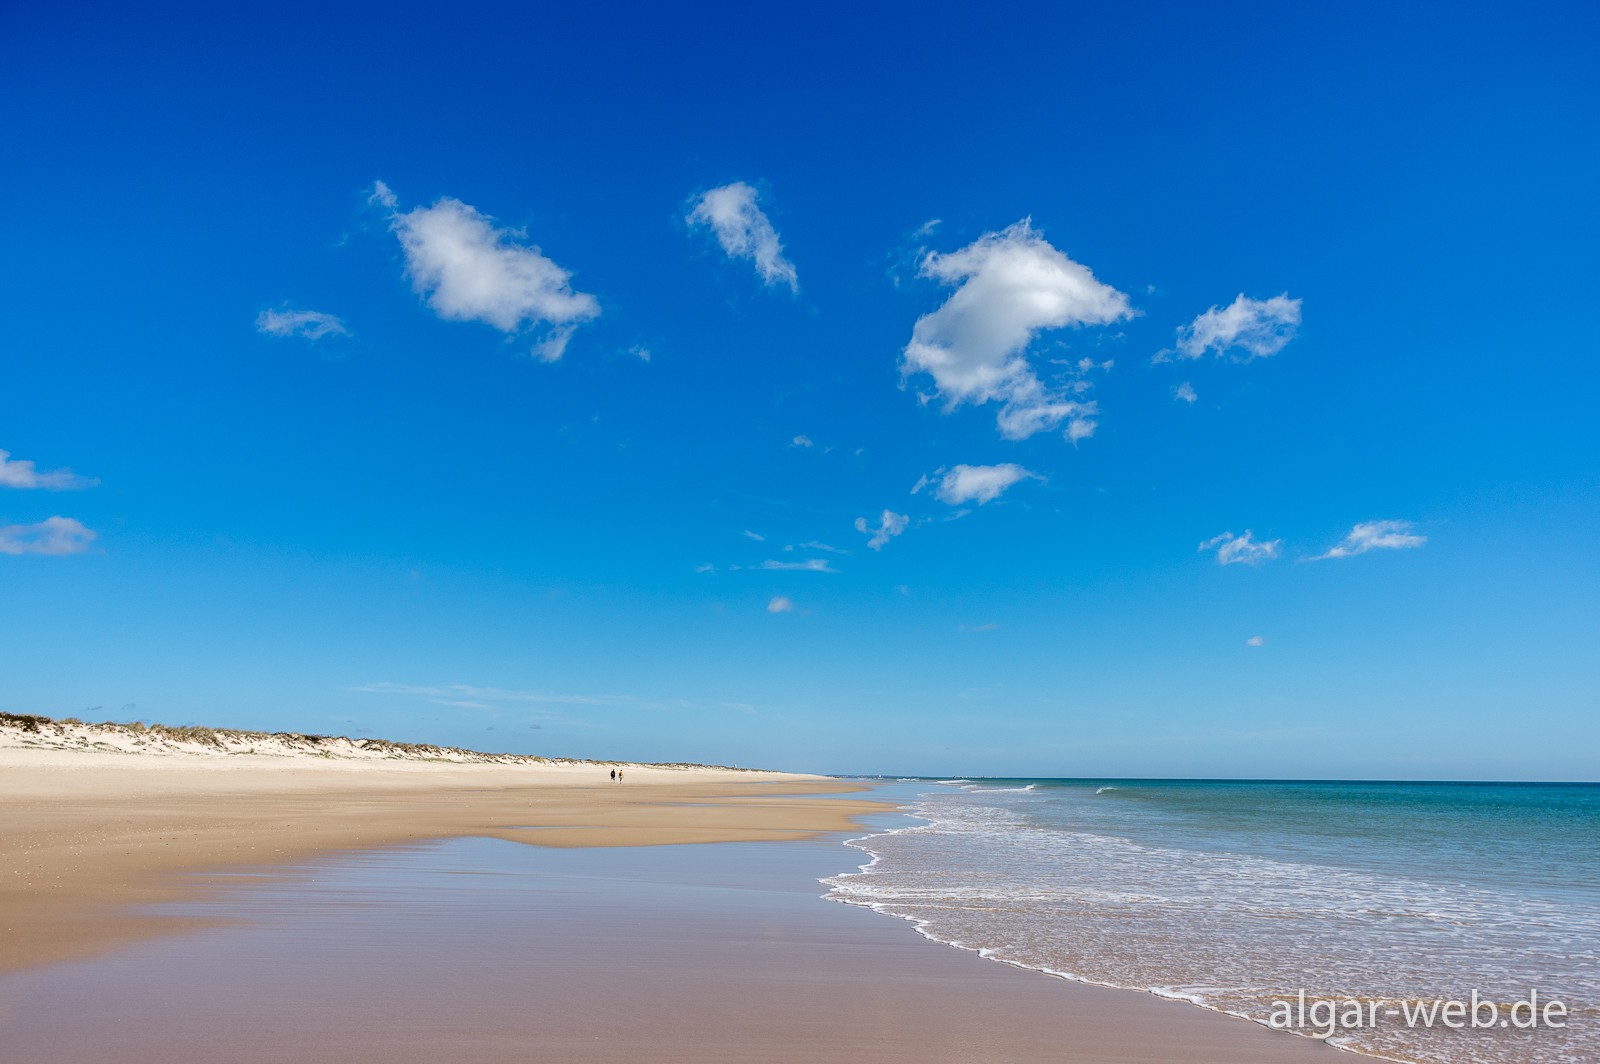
{"x":28,"y":731}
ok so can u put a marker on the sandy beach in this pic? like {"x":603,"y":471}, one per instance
{"x":89,"y":833}
{"x":639,"y":939}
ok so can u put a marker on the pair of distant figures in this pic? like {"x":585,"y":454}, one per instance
{"x":616,"y":774}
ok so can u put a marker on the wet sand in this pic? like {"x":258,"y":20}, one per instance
{"x":476,"y":951}
{"x":86,"y":835}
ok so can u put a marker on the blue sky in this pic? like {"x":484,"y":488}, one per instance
{"x":557,"y":380}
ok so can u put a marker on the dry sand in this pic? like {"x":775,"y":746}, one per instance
{"x":632,"y":955}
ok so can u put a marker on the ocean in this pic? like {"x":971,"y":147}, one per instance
{"x":1380,"y":899}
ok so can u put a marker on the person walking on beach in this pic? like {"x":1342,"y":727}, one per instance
{"x":619,"y":775}
{"x":613,"y":775}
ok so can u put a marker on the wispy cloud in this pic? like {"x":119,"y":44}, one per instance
{"x":802,"y":441}
{"x":969,"y":483}
{"x":809,"y":565}
{"x":1256,"y":641}
{"x":1010,"y":286}
{"x":780,"y":604}
{"x":1243,"y":330}
{"x":301,"y":324}
{"x":1375,"y":535}
{"x":990,"y":627}
{"x":52,"y":536}
{"x":474,"y":693}
{"x":757,"y":536}
{"x":1236,"y":550}
{"x":1184,"y":393}
{"x":813,"y":544}
{"x":744,"y":231}
{"x":472,"y":696}
{"x":469,"y":269}
{"x":890,"y":525}
{"x":22,"y":473}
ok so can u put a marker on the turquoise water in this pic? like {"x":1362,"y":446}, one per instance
{"x":1239,"y":894}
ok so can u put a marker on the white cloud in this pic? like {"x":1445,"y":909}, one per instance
{"x":1257,"y":327}
{"x":554,"y":344}
{"x":744,"y":231}
{"x":780,"y":604}
{"x":890,"y":525}
{"x":967,"y":483}
{"x":1029,"y":408}
{"x":21,"y":473}
{"x":469,"y":269}
{"x":1010,"y":286}
{"x":802,"y":441}
{"x":53,"y":535}
{"x":1081,"y":428}
{"x":1256,"y":641}
{"x":304,"y":324}
{"x":1185,"y":392}
{"x":757,"y":536}
{"x":1375,"y":535}
{"x":1235,"y":550}
{"x":383,"y":196}
{"x":990,"y":627}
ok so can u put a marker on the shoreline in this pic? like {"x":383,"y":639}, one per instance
{"x":924,"y":931}
{"x":487,"y":953}
{"x":129,"y":861}
{"x":1070,"y":885}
